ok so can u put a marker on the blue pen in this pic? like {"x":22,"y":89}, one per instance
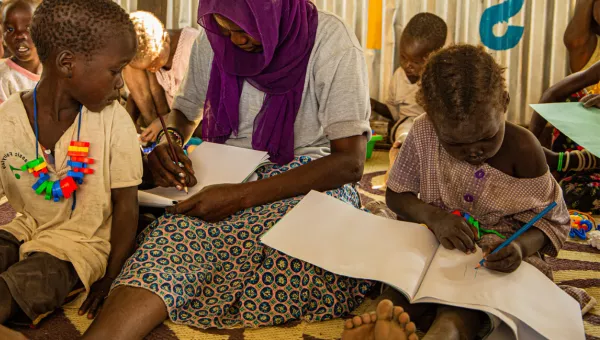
{"x":521,"y":231}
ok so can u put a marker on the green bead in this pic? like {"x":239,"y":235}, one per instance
{"x":41,"y":188}
{"x":49,"y":187}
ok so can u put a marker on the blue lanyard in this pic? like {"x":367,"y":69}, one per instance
{"x":35,"y":122}
{"x":37,"y":141}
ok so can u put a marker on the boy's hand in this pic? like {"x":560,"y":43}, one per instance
{"x":453,"y":232}
{"x":98,"y":292}
{"x":507,"y":260}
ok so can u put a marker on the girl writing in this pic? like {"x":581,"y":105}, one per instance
{"x":463,"y":155}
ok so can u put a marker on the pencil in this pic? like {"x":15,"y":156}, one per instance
{"x":175,"y":158}
{"x":520,"y":231}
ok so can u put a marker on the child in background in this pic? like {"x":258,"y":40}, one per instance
{"x":22,"y":70}
{"x":463,"y":155}
{"x":84,"y":238}
{"x":424,"y":34}
{"x":157,"y":71}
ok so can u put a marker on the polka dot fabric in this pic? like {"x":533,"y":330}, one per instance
{"x":499,"y":201}
{"x":220,"y":275}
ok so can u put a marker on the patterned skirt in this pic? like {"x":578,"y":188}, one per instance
{"x":220,"y":274}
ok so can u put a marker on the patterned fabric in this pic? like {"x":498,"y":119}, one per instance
{"x":220,"y":275}
{"x":582,"y":189}
{"x":500,"y":202}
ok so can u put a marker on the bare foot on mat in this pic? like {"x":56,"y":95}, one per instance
{"x":388,"y":323}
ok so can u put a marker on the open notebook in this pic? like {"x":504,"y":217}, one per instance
{"x":213,"y":164}
{"x":347,"y":241}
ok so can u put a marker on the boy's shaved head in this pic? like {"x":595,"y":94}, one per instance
{"x":82,"y":26}
{"x":429,"y":28}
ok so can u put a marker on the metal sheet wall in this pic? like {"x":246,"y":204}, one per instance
{"x":536,"y":62}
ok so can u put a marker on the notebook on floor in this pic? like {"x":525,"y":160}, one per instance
{"x":213,"y":164}
{"x":347,"y":241}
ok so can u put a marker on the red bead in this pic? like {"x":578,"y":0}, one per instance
{"x":80,"y":144}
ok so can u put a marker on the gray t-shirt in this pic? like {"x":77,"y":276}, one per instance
{"x":335,"y":101}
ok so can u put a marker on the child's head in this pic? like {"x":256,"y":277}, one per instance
{"x":84,"y":45}
{"x":463,"y":91}
{"x":424,"y":33}
{"x":153,"y":42}
{"x":16,"y":23}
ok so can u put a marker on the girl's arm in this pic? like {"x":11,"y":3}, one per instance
{"x":579,"y":38}
{"x":139,"y":88}
{"x":158,"y":94}
{"x":561,"y":91}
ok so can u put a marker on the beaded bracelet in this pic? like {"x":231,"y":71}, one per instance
{"x":177,"y":136}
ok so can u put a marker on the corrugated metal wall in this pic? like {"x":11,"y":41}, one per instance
{"x":534,"y":63}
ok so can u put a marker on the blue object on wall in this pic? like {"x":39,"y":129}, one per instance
{"x":497,"y":14}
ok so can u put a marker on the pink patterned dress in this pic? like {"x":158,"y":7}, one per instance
{"x":498,"y":201}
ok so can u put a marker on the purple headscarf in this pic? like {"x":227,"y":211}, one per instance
{"x":287,"y":30}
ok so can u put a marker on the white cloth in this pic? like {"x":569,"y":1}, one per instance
{"x":14,"y":78}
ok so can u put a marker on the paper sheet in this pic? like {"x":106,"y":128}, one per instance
{"x":575,"y":121}
{"x":213,"y":164}
{"x":526,"y":294}
{"x":347,"y":241}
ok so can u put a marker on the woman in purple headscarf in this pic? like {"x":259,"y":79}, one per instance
{"x":271,"y":75}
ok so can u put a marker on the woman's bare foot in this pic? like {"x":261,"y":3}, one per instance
{"x":9,"y":334}
{"x":388,"y":323}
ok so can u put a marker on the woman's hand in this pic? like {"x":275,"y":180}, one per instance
{"x":213,"y":203}
{"x":453,"y":232}
{"x":591,"y":100}
{"x":98,"y":292}
{"x":165,"y":172}
{"x":507,"y":260}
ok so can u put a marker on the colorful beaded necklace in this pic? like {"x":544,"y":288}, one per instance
{"x":79,"y":163}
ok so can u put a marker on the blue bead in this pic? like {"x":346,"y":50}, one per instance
{"x":75,"y":175}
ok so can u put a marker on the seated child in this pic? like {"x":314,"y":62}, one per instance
{"x":463,"y":155}
{"x":22,"y":70}
{"x":424,"y":33}
{"x":71,"y":232}
{"x":157,"y":71}
{"x":580,"y":182}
